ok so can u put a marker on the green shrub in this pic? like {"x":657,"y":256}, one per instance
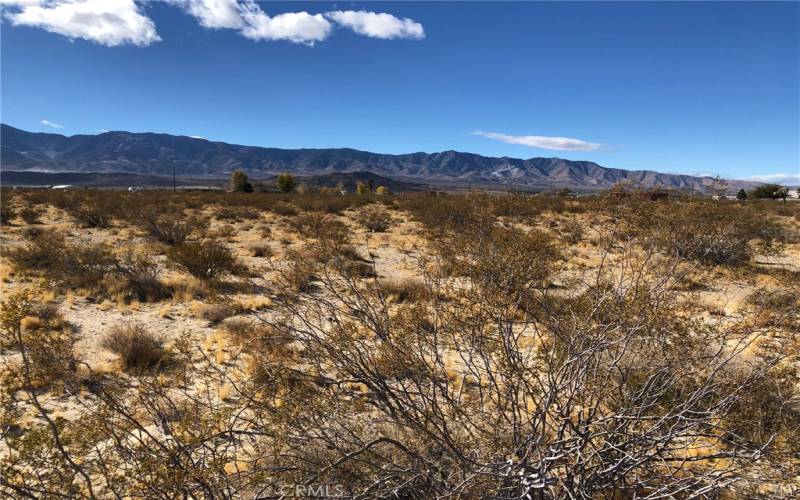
{"x":285,"y":183}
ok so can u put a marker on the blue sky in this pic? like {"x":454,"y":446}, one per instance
{"x":675,"y":87}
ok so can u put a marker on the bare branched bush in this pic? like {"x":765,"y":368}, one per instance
{"x":140,"y":273}
{"x":90,"y":215}
{"x":572,"y":232}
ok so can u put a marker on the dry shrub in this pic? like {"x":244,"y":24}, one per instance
{"x":236,"y":213}
{"x":40,"y":252}
{"x":168,"y":228}
{"x":572,"y":232}
{"x":75,"y":265}
{"x":46,"y":340}
{"x":215,"y":313}
{"x":136,"y":347}
{"x":7,"y":211}
{"x":90,"y":215}
{"x":298,"y":273}
{"x":31,"y":215}
{"x":407,"y":290}
{"x":205,"y":260}
{"x":350,"y":252}
{"x":140,"y":274}
{"x":321,"y":226}
{"x":713,"y":233}
{"x":222,"y":232}
{"x":284,"y":209}
{"x":375,"y":218}
{"x":261,"y":250}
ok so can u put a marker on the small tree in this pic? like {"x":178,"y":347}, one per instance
{"x":741,"y":195}
{"x":240,"y":183}
{"x":362,"y":188}
{"x":765,"y":191}
{"x":285,"y":183}
{"x":782,"y":193}
{"x":382,"y":190}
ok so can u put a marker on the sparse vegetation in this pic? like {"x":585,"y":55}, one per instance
{"x":487,"y":345}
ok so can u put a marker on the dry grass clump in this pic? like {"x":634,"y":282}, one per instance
{"x":205,"y":260}
{"x":260,"y":250}
{"x":407,"y":290}
{"x":136,"y":346}
{"x":215,"y":313}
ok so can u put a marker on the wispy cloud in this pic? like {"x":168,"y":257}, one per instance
{"x":542,"y":142}
{"x":377,"y":24}
{"x":107,"y":22}
{"x":792,"y":179}
{"x":51,"y":124}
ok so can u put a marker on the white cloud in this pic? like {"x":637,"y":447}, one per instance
{"x":247,"y":17}
{"x":298,"y":27}
{"x":107,"y":22}
{"x":791,"y":179}
{"x":51,"y":124}
{"x":377,"y":25}
{"x":542,"y":142}
{"x":197,"y":137}
{"x":120,"y":22}
{"x":213,"y":14}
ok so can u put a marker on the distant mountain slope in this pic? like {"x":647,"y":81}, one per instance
{"x":158,"y":154}
{"x":347,"y":181}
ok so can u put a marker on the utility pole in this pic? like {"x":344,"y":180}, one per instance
{"x":173,"y":178}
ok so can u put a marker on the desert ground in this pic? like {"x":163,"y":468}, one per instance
{"x":254,"y":345}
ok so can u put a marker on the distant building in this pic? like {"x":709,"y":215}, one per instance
{"x":62,"y":186}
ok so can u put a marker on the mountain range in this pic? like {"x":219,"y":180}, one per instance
{"x":159,"y":154}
